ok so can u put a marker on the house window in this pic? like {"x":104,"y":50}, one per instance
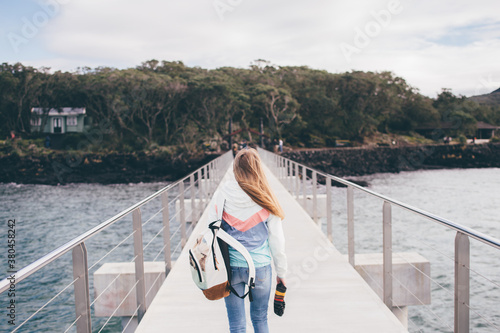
{"x":36,"y":121}
{"x":71,"y":121}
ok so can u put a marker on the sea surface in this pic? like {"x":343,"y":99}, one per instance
{"x":470,"y":197}
{"x":48,"y":216}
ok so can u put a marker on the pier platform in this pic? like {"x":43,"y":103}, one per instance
{"x":325,"y":293}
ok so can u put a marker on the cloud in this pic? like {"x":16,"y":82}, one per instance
{"x":453,"y":44}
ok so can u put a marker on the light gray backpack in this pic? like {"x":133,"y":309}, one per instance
{"x":209,"y":261}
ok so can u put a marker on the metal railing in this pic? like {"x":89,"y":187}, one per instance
{"x":295,"y":178}
{"x":202,"y":183}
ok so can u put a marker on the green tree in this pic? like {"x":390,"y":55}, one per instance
{"x":278,"y":105}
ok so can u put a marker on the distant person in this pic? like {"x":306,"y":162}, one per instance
{"x":473,"y":140}
{"x":12,"y":135}
{"x":281,"y":146}
{"x":47,"y":141}
{"x":235,"y":149}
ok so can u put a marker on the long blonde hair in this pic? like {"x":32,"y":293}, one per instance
{"x":252,"y":180}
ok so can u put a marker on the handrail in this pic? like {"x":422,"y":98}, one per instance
{"x":65,"y":248}
{"x":73,"y":243}
{"x":286,"y":169}
{"x":492,"y":241}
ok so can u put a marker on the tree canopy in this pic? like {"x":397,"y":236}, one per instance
{"x":167,"y":103}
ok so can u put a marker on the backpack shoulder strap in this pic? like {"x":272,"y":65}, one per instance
{"x":219,"y":205}
{"x":241,"y":249}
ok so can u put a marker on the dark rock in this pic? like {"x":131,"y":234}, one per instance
{"x":69,"y":167}
{"x":345,"y":162}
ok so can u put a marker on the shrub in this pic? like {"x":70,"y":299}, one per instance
{"x":462,"y":139}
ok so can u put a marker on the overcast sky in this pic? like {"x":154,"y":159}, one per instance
{"x":432,"y":44}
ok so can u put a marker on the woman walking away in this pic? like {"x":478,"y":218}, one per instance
{"x":253,"y":216}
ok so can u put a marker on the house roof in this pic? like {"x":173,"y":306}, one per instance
{"x":483,"y":125}
{"x":59,"y":111}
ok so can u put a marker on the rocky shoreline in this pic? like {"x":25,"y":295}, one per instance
{"x":114,"y":168}
{"x":348,"y":162}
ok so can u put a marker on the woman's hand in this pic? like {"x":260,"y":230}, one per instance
{"x":278,"y":280}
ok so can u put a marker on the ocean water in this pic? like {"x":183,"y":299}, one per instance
{"x":470,"y":197}
{"x":48,"y":216}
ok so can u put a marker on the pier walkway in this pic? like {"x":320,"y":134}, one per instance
{"x":325,"y":293}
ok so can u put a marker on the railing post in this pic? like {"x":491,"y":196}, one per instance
{"x":82,"y":296}
{"x":329,"y":225}
{"x":140,"y":288}
{"x":207,"y":183}
{"x":462,"y":283}
{"x":315,"y":197}
{"x":166,"y":232}
{"x":288,"y":176}
{"x":209,"y":180}
{"x":304,"y":187}
{"x":285,"y":172}
{"x":182,"y":213}
{"x":277,"y":160}
{"x":297,"y":182}
{"x":202,"y":185}
{"x":387,"y":239}
{"x":350,"y":226}
{"x":213,"y":177}
{"x":205,"y":186}
{"x":193,"y":201}
{"x":216,"y":171}
{"x":282,"y":166}
{"x":200,"y":193}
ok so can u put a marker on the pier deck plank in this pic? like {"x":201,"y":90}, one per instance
{"x":325,"y":294}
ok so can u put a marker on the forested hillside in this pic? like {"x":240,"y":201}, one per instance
{"x":492,"y":99}
{"x":169,"y":104}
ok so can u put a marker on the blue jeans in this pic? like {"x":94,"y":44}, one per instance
{"x":258,"y":308}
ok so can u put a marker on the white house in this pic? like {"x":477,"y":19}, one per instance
{"x":58,"y":120}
